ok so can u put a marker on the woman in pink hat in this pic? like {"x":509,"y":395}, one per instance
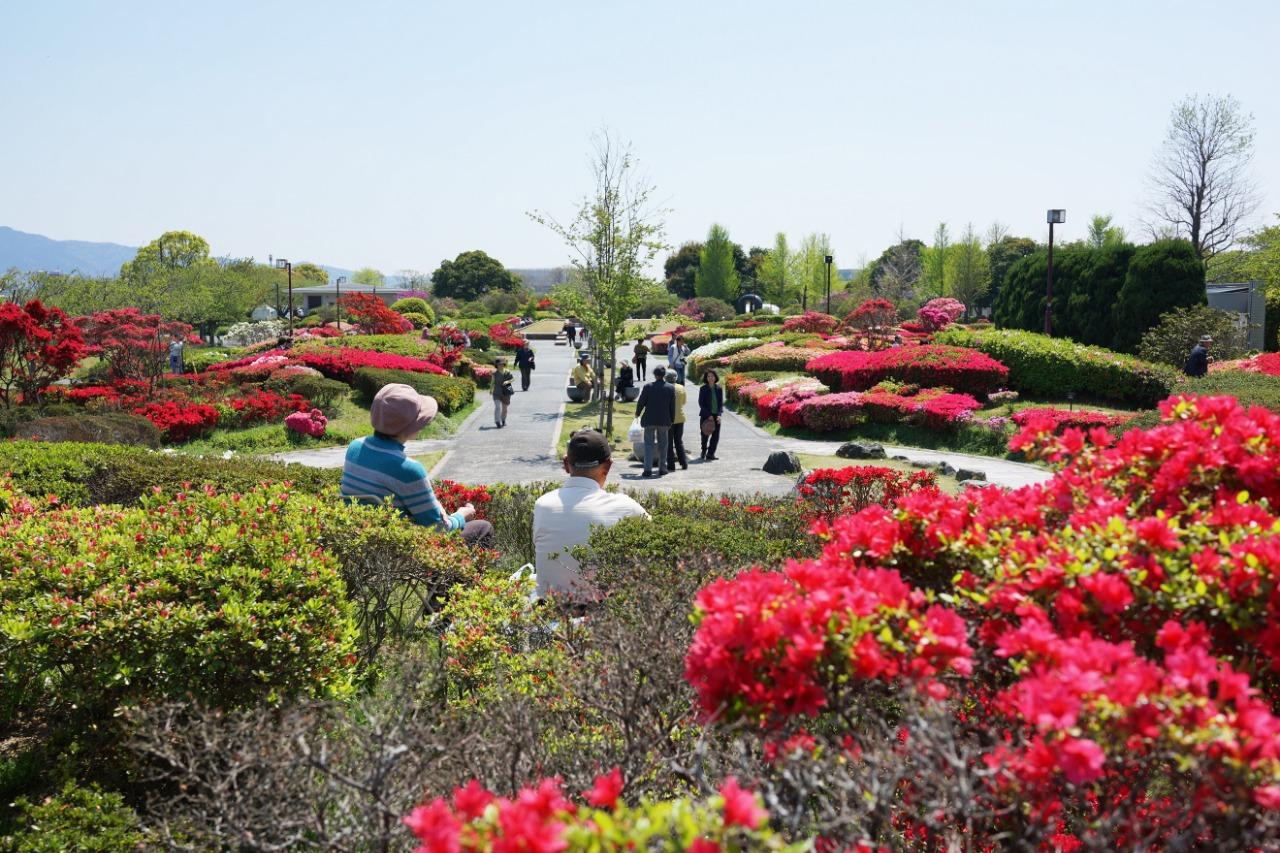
{"x":377,"y":470}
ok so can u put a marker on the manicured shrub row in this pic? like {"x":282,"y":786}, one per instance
{"x":1251,"y":389}
{"x":934,"y":408}
{"x":1053,"y":366}
{"x":1058,"y":420}
{"x":964,"y":370}
{"x":811,"y":321}
{"x":705,"y":355}
{"x":410,"y":346}
{"x":203,"y":594}
{"x":453,"y":393}
{"x":775,"y":356}
{"x":87,"y":474}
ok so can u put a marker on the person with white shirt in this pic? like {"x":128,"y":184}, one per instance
{"x":563,"y":519}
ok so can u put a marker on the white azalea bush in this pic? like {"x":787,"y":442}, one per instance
{"x":704,"y":355}
{"x":247,"y":334}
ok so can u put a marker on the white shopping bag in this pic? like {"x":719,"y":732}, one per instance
{"x":635,"y":433}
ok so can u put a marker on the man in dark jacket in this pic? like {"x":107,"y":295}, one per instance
{"x":524,"y":361}
{"x":1198,"y":361}
{"x":656,"y":410}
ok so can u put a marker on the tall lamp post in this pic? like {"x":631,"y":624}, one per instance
{"x":1053,"y":217}
{"x":283,"y":264}
{"x":829,"y":284}
{"x":337,"y":301}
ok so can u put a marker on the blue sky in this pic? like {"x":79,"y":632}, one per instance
{"x":395,"y":134}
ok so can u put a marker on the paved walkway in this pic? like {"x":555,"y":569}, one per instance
{"x":525,"y":451}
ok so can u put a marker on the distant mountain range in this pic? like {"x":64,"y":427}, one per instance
{"x":35,"y":252}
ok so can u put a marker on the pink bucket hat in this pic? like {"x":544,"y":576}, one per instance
{"x":398,"y":409}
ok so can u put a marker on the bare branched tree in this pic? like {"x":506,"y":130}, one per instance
{"x":1200,"y":181}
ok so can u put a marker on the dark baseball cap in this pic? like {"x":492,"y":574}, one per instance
{"x":588,"y":448}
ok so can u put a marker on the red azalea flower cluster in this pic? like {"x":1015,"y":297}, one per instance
{"x":504,"y":336}
{"x":930,"y":365}
{"x":689,"y":308}
{"x":312,"y":423}
{"x":749,"y":324}
{"x":341,"y":363}
{"x":545,"y":304}
{"x":772,"y":644}
{"x":811,"y":321}
{"x":934,"y":408}
{"x":1057,"y":420}
{"x":133,"y":345}
{"x":454,"y":495}
{"x":874,"y":318}
{"x":936,"y":314}
{"x":447,"y":335}
{"x":179,"y":422}
{"x":373,"y":316}
{"x":260,"y":406}
{"x":838,"y":491}
{"x":539,"y":819}
{"x":38,"y":346}
{"x":1267,"y":362}
{"x":483,"y":374}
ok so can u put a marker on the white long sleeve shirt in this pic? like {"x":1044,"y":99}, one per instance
{"x":562,"y":520}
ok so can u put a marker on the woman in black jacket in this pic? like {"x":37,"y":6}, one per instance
{"x":710,"y":408}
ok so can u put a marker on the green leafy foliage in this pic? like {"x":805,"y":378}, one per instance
{"x":716,"y":275}
{"x":453,"y":393}
{"x":419,"y":321}
{"x":325,"y":394}
{"x":410,"y":346}
{"x":201,"y":594}
{"x":106,"y":428}
{"x":412,"y":305}
{"x":1052,"y":366}
{"x":1170,"y":340}
{"x":83,"y":819}
{"x":88,"y":474}
{"x":1163,"y":275}
{"x":470,"y":276}
{"x":1251,"y":389}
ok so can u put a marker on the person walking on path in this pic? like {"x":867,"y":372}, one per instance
{"x":1198,"y":361}
{"x":677,"y":356}
{"x":376,"y":468}
{"x":570,"y":331}
{"x":675,"y":446}
{"x":564,"y":518}
{"x":502,"y":391}
{"x":641,"y":355}
{"x":710,"y":409}
{"x":524,"y":361}
{"x":656,"y":410}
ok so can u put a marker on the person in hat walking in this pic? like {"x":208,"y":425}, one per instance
{"x":376,"y":469}
{"x":564,"y":518}
{"x":1198,"y":360}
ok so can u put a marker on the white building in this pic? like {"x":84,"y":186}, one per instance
{"x":311,"y":298}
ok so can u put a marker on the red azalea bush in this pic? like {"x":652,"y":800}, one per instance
{"x":131,"y":344}
{"x":874,"y":318}
{"x":341,"y":363}
{"x":545,"y":304}
{"x":38,"y":346}
{"x":504,"y":336}
{"x":453,"y":495}
{"x":689,"y":308}
{"x":312,"y":423}
{"x":937,"y":314}
{"x":1110,"y":635}
{"x":483,"y":374}
{"x":830,"y":492}
{"x":934,"y":408}
{"x":1267,"y":362}
{"x":448,"y":335}
{"x":811,"y":321}
{"x":930,"y":365}
{"x":373,"y":316}
{"x":179,"y":422}
{"x":260,"y":406}
{"x":1062,"y":419}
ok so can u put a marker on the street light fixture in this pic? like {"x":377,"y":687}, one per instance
{"x":1053,"y":217}
{"x":829,"y":259}
{"x":338,"y":299}
{"x":283,"y":264}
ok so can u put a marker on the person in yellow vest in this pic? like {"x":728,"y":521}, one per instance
{"x":584,"y":377}
{"x":675,"y":440}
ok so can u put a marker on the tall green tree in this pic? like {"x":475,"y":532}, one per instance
{"x":969,"y":270}
{"x":681,"y":270}
{"x":471,"y":275}
{"x":172,"y":250}
{"x":933,"y":260}
{"x":811,"y":271}
{"x":614,"y":236}
{"x":777,"y":273}
{"x":310,"y":273}
{"x":1103,"y":233}
{"x":368,"y":276}
{"x":716,"y":275}
{"x":1162,"y":276}
{"x":1002,"y":252}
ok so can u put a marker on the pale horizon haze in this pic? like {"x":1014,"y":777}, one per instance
{"x":398,"y":134}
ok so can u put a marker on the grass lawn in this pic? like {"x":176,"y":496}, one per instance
{"x":430,"y":460}
{"x":1007,"y":409}
{"x":351,"y":423}
{"x":582,"y":415}
{"x":810,"y":461}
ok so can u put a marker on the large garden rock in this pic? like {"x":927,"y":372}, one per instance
{"x":945,"y":469}
{"x":782,"y":462}
{"x":963,"y":474}
{"x":861,"y":450}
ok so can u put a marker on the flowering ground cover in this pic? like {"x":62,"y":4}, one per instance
{"x":961,"y":369}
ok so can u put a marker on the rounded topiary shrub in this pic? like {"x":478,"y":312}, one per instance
{"x":219,"y":597}
{"x":419,"y":321}
{"x":453,"y":393}
{"x":415,"y":305}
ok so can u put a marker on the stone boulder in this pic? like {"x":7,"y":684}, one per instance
{"x":782,"y":462}
{"x":861,"y":450}
{"x":963,"y":474}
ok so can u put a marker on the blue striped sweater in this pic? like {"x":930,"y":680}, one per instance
{"x":376,"y":469}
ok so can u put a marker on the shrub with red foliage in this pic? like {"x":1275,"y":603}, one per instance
{"x":837,"y":491}
{"x":1058,"y":420}
{"x":342,"y":363}
{"x":930,"y":365}
{"x":875,"y":317}
{"x":811,"y":321}
{"x":504,"y":336}
{"x":1267,"y":362}
{"x":179,"y":421}
{"x":131,"y":344}
{"x":312,"y":423}
{"x":258,"y":406}
{"x":373,"y":316}
{"x":38,"y":346}
{"x":934,"y":408}
{"x":454,"y":495}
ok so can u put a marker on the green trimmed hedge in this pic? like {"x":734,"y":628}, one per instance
{"x":453,"y":393}
{"x":1053,"y":366}
{"x":87,"y":474}
{"x":1251,"y":389}
{"x":409,"y":345}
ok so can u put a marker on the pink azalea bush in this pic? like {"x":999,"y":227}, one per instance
{"x":312,"y":423}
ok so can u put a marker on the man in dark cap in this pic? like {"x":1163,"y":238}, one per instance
{"x":564,"y":518}
{"x":1198,"y":361}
